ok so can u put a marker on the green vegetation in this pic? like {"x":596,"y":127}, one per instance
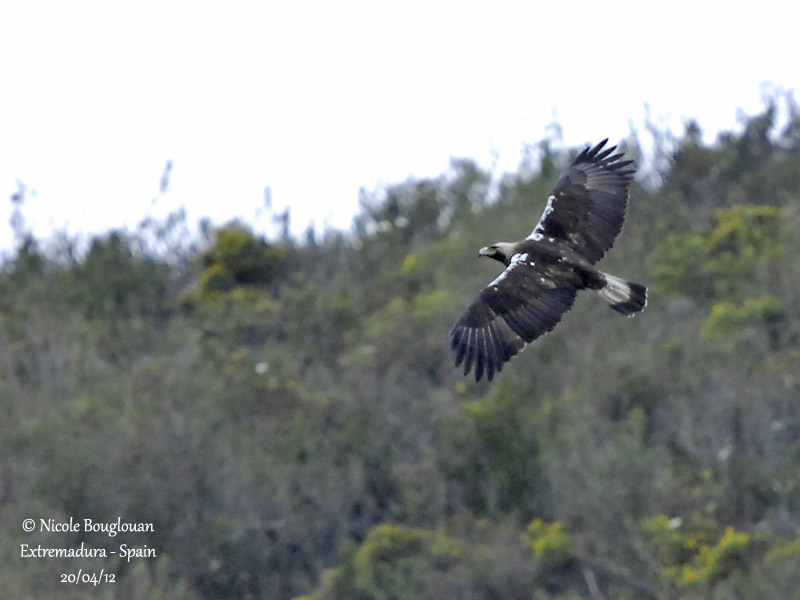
{"x":287,"y":415}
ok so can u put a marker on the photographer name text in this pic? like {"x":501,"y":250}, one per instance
{"x":111,"y":528}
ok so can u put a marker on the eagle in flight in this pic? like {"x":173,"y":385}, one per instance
{"x":583,"y":216}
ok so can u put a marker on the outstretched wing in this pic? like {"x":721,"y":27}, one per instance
{"x":523,"y":303}
{"x":587,"y":207}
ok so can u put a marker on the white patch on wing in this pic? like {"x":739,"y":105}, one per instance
{"x":536,"y":234}
{"x":515,"y":260}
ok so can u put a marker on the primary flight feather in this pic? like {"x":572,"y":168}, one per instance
{"x":583,"y":216}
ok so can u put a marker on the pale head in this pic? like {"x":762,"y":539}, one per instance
{"x":502,"y":251}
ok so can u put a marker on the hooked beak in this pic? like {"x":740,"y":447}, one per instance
{"x":485,"y":251}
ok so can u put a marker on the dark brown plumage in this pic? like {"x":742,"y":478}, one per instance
{"x":583,"y":216}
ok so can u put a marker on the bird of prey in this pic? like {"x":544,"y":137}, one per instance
{"x":583,"y":216}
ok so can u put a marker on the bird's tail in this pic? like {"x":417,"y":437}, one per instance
{"x":625,"y":297}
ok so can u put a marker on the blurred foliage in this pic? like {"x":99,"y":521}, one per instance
{"x":286,"y":414}
{"x":727,"y":318}
{"x":238,"y":258}
{"x":548,"y":541}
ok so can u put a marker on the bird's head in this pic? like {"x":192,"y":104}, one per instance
{"x":502,"y":251}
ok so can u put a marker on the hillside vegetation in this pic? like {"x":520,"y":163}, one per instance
{"x":287,"y":416}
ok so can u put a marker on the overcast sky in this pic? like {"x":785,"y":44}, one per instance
{"x":319,"y":99}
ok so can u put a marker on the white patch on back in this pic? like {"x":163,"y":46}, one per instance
{"x":515,"y":260}
{"x":536,"y":234}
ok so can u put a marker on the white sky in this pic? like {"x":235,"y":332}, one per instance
{"x":319,"y":99}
